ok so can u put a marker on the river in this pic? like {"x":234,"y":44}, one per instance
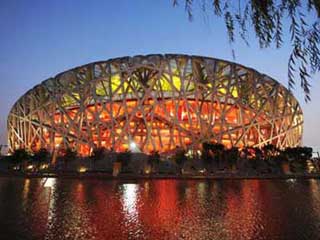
{"x":50,"y":208}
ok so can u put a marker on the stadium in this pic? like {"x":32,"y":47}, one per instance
{"x":155,"y":103}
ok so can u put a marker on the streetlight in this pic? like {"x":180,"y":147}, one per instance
{"x":134,"y":147}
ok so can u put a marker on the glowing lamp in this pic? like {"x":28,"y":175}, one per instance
{"x":82,"y":170}
{"x":30,"y":167}
{"x":44,"y":166}
{"x":133,"y":145}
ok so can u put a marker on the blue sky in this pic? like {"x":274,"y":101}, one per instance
{"x":42,"y":38}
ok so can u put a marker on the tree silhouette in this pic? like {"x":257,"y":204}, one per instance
{"x":20,"y":155}
{"x":41,"y":155}
{"x":68,"y":155}
{"x":97,"y":154}
{"x":268,"y":19}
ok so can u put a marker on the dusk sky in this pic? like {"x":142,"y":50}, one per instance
{"x":40,"y":39}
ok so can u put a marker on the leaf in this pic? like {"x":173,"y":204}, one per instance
{"x":268,"y":19}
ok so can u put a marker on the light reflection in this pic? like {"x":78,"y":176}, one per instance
{"x":130,"y":199}
{"x":82,"y":169}
{"x":26,"y":188}
{"x":168,"y":209}
{"x":79,"y":193}
{"x":291,"y":180}
{"x":131,"y":210}
{"x":314,"y":193}
{"x":50,"y":184}
{"x":146,"y":186}
{"x":202,"y":190}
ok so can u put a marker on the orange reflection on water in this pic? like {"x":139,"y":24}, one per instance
{"x":26,"y":187}
{"x":171,"y":209}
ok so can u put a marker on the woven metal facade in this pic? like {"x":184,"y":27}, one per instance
{"x":158,"y":102}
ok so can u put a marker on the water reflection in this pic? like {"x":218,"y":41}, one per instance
{"x":132,"y":222}
{"x":161,"y":209}
{"x":26,"y":186}
{"x":50,"y":183}
{"x":129,"y":200}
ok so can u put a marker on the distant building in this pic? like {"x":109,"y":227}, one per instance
{"x":155,"y":102}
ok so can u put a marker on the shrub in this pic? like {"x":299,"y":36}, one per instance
{"x":41,"y":155}
{"x":20,"y":155}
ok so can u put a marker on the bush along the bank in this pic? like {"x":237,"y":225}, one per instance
{"x":212,"y":159}
{"x":40,"y":160}
{"x":252,"y":160}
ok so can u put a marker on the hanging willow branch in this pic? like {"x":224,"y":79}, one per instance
{"x":268,"y":19}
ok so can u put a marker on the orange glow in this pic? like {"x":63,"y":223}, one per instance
{"x":160,"y":102}
{"x":114,"y":130}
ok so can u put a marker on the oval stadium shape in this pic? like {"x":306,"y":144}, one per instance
{"x":156,"y":103}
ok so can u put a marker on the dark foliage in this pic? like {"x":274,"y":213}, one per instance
{"x":180,"y":157}
{"x":41,"y":155}
{"x":124,"y":158}
{"x":68,"y":155}
{"x":268,"y":19}
{"x":20,"y":155}
{"x":270,"y":150}
{"x":206,"y":156}
{"x":154,"y":160}
{"x":215,"y":147}
{"x":98,"y":153}
{"x":213,"y":153}
{"x":231,"y":155}
{"x":298,"y":153}
{"x":268,"y":159}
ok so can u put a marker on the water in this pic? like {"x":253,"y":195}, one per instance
{"x":159,"y":209}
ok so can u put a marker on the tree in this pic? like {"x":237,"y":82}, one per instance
{"x":212,"y":153}
{"x":268,"y":19}
{"x":97,"y":154}
{"x":273,"y":157}
{"x":231,"y":156}
{"x":298,"y":157}
{"x":41,"y":155}
{"x":124,"y":158}
{"x":206,"y":156}
{"x":305,"y":153}
{"x":180,"y":158}
{"x":20,"y":155}
{"x":218,"y":151}
{"x":68,"y":155}
{"x":269,"y":151}
{"x":154,"y":160}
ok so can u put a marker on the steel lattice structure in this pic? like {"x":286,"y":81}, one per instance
{"x":157,"y":101}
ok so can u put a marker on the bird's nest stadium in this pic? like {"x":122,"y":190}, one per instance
{"x":156,"y":102}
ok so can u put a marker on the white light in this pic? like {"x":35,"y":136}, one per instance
{"x":82,"y":169}
{"x":291,"y":180}
{"x":130,"y":200}
{"x":50,"y":182}
{"x":133,"y":145}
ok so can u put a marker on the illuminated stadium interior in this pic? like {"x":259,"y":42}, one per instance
{"x":158,"y":102}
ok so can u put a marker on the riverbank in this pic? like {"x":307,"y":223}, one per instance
{"x":100,"y":175}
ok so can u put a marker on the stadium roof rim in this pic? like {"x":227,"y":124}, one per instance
{"x":166,"y":55}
